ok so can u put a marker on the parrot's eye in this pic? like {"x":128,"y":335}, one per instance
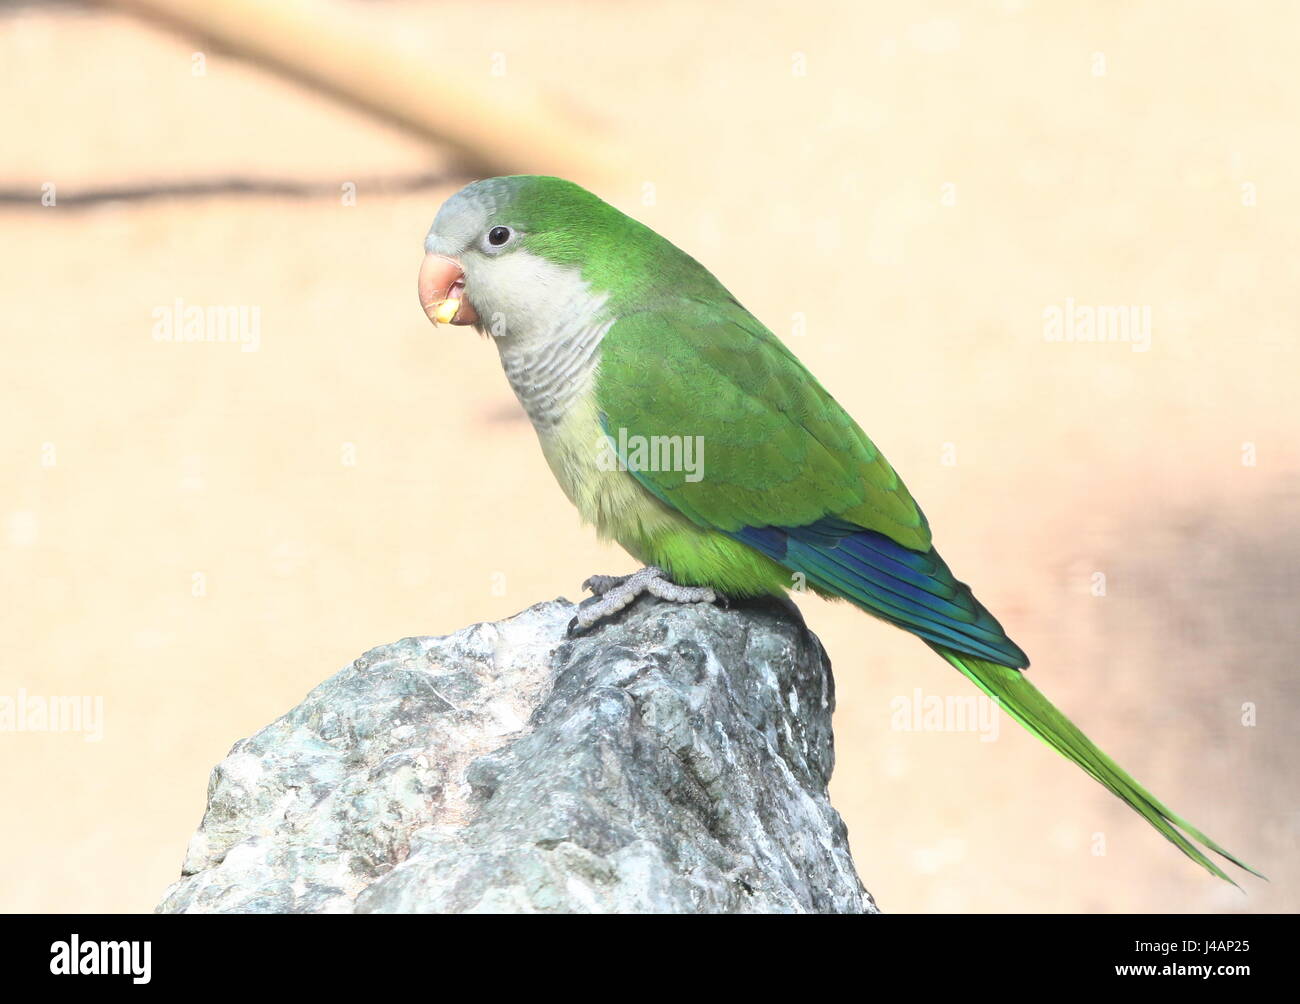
{"x":498,"y":236}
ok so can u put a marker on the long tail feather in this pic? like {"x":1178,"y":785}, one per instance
{"x":1027,"y":705}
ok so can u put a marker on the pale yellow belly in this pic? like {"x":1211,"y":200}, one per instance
{"x":623,"y":510}
{"x":611,"y":500}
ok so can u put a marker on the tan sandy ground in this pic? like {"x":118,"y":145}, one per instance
{"x":200,"y":534}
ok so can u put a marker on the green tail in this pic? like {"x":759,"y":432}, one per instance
{"x":1023,"y":702}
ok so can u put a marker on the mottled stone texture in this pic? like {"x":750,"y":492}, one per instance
{"x":674,"y":760}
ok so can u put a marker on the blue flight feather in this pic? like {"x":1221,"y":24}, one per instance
{"x":912,"y":589}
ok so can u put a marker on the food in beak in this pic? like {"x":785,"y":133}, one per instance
{"x":442,"y":291}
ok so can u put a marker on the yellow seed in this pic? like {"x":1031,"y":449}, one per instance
{"x":446,"y":310}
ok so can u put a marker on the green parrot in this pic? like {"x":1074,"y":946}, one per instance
{"x":685,"y":430}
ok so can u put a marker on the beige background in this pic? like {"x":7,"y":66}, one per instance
{"x":1113,"y":153}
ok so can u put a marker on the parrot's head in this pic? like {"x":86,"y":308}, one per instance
{"x":528,"y":254}
{"x":498,"y":246}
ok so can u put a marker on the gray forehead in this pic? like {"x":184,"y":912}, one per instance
{"x":463,"y":217}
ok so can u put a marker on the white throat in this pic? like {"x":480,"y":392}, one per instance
{"x":547,"y":324}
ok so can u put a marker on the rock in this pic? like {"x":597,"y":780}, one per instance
{"x":675,"y":760}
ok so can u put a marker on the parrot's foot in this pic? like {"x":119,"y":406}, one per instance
{"x":614,"y":592}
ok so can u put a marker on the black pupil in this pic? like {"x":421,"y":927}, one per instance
{"x":498,"y":235}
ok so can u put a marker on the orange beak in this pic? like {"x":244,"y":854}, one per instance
{"x":442,"y":291}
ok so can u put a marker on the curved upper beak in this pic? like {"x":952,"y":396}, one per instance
{"x":442,"y":291}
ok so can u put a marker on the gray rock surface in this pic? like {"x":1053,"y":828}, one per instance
{"x":675,"y":760}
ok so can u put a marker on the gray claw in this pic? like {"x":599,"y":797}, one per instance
{"x":614,"y":592}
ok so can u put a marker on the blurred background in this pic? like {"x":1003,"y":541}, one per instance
{"x":925,"y":200}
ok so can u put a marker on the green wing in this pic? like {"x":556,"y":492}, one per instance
{"x":778,"y":449}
